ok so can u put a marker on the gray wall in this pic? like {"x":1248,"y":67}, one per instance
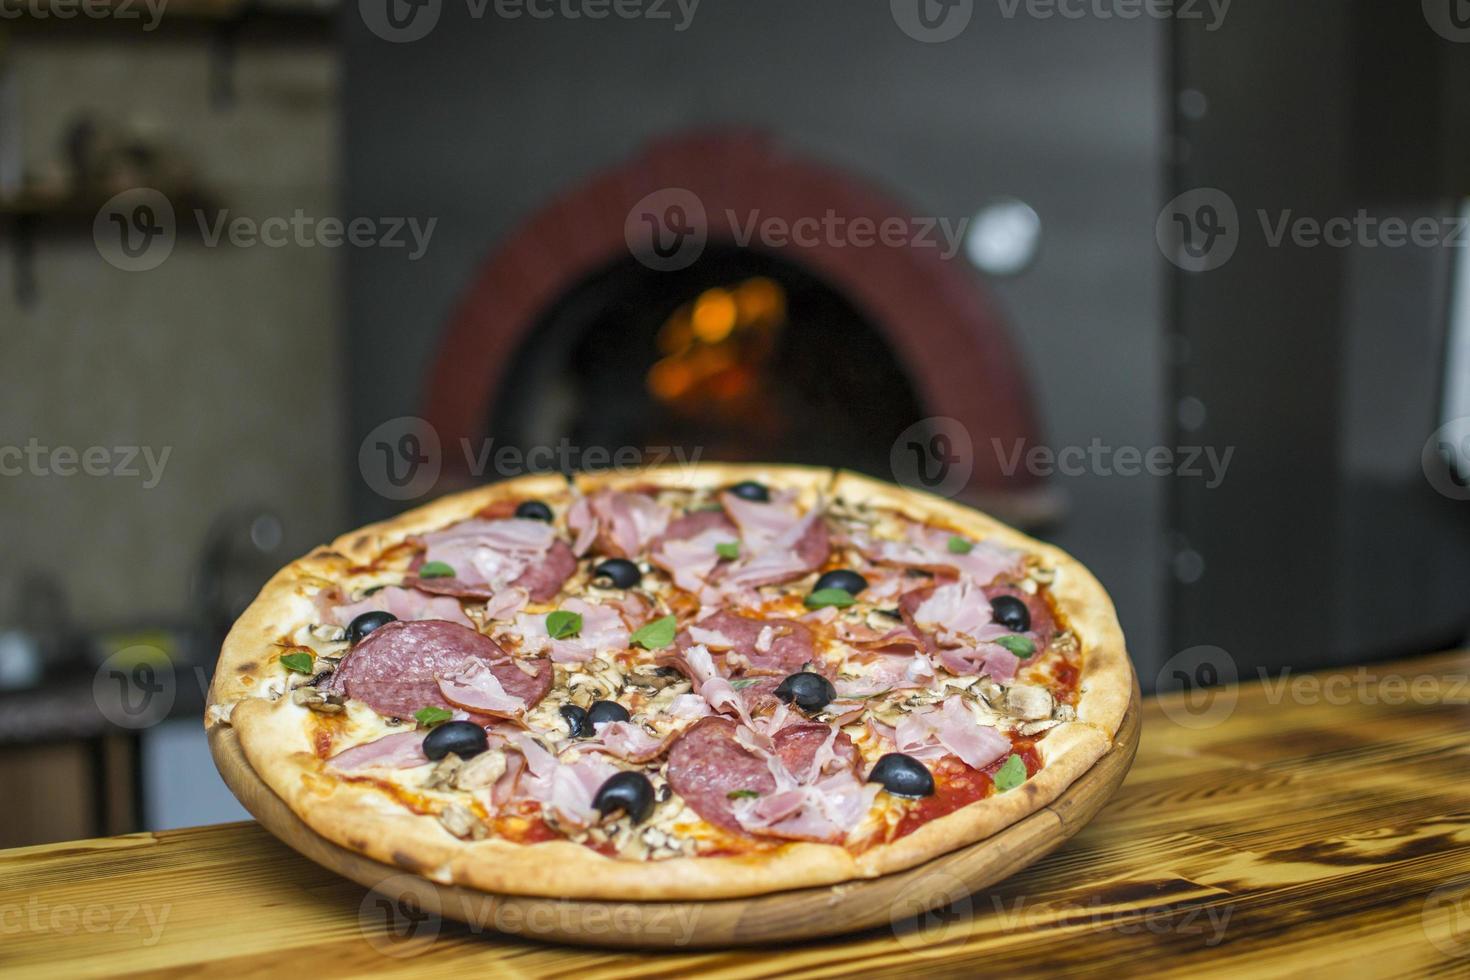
{"x":484,"y":120}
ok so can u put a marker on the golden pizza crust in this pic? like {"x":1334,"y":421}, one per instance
{"x":274,"y":733}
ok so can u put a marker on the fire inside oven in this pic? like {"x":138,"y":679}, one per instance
{"x":742,"y":356}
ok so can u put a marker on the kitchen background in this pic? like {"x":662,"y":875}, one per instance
{"x":1326,"y":524}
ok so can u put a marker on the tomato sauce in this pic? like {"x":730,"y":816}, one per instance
{"x":957,"y":785}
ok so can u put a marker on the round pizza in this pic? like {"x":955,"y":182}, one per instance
{"x":686,"y":683}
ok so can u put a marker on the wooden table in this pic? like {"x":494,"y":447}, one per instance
{"x":1318,"y":824}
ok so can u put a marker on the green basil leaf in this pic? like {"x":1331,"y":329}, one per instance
{"x":744,"y":682}
{"x":1021,"y":646}
{"x":741,"y":794}
{"x":429,"y":717}
{"x":959,"y":546}
{"x":301,"y":663}
{"x":436,"y":569}
{"x":728,"y":549}
{"x":657,"y":634}
{"x":562,"y":624}
{"x":1011,"y":774}
{"x":820,"y":599}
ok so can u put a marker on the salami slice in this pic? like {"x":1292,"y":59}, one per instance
{"x":394,"y":670}
{"x":789,"y":645}
{"x":706,"y":765}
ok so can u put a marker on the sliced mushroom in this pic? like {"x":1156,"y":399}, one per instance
{"x":1028,"y":703}
{"x":1065,"y":712}
{"x":1037,"y":727}
{"x":310,"y":697}
{"x":483,"y":770}
{"x":460,"y":822}
{"x":443,"y":774}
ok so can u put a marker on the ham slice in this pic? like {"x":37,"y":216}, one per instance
{"x":928,"y":548}
{"x":950,"y":730}
{"x":889,"y":672}
{"x":474,"y":687}
{"x":775,"y":646}
{"x":401,"y":750}
{"x":603,"y":631}
{"x":490,"y":555}
{"x":406,"y":604}
{"x":626,"y":741}
{"x":619,"y":523}
{"x":565,"y":790}
{"x":776,"y":545}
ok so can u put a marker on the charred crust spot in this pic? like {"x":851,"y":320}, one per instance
{"x":247,"y":668}
{"x":408,"y":863}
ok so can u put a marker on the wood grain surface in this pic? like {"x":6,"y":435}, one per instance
{"x":1319,"y":824}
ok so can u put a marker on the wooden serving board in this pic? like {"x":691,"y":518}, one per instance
{"x":806,"y":913}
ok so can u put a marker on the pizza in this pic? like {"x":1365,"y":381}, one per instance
{"x":696,"y":682}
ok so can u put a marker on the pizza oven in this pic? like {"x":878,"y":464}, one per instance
{"x":635,"y":314}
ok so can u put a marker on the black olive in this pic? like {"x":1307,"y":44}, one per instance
{"x":577,"y":722}
{"x":627,"y":792}
{"x":1011,"y":613}
{"x":463,"y":738}
{"x":810,"y":692}
{"x":619,"y":573}
{"x":750,"y":490}
{"x":841,"y":578}
{"x":602,"y":711}
{"x":890,"y":614}
{"x":902,"y":775}
{"x":534,"y":510}
{"x":361,"y":626}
